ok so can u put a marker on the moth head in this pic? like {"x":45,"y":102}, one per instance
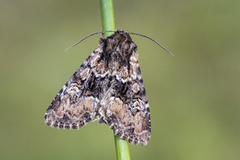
{"x":119,"y":36}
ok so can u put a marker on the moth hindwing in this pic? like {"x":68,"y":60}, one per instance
{"x":107,"y":87}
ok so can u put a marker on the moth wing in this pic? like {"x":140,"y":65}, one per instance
{"x":77,"y":102}
{"x":125,"y":108}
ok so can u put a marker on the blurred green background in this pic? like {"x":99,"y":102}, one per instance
{"x":193,"y":96}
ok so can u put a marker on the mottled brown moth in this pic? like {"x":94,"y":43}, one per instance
{"x":107,"y":87}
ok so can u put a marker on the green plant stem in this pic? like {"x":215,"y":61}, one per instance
{"x":107,"y":16}
{"x":121,"y":146}
{"x":122,"y":149}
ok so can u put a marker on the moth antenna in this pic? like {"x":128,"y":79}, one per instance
{"x":87,"y":37}
{"x":152,"y":40}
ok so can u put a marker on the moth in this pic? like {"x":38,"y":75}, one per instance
{"x":107,"y":87}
